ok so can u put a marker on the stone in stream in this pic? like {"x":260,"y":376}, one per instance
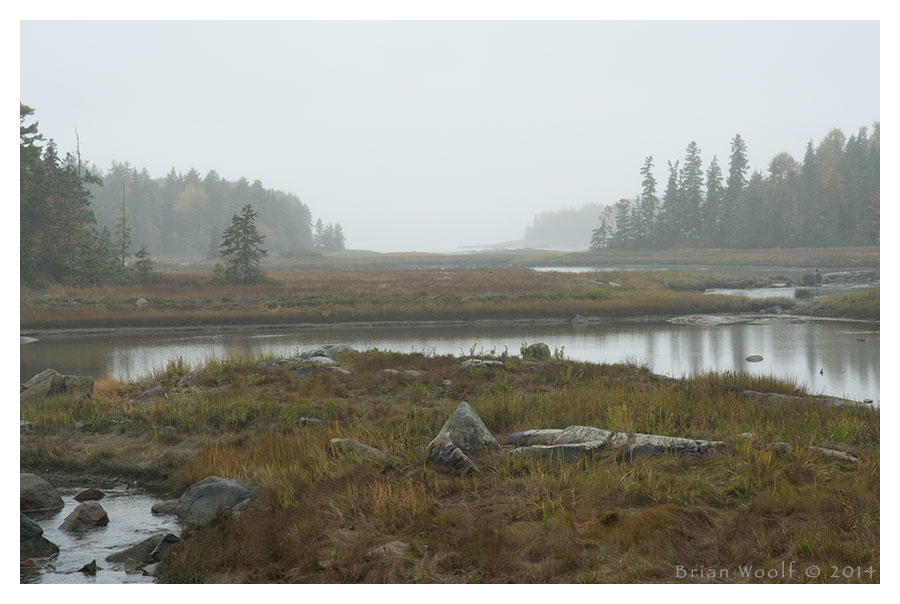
{"x":32,"y":543}
{"x":202,"y":500}
{"x":754,"y":358}
{"x":148,"y":551}
{"x":89,"y":495}
{"x":90,"y":568}
{"x":37,"y":495}
{"x":462,"y":437}
{"x":87,"y":515}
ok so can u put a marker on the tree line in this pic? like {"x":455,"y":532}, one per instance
{"x":62,"y":239}
{"x":831,"y":197}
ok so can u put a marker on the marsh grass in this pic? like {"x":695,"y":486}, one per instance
{"x":598,"y":520}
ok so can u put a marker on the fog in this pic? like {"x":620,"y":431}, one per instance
{"x":431,"y":136}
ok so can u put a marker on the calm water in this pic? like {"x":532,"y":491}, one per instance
{"x":846,"y":353}
{"x":130,"y":522}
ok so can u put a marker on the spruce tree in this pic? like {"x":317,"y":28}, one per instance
{"x":241,"y":249}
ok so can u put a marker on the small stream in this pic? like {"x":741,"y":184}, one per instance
{"x":130,"y":522}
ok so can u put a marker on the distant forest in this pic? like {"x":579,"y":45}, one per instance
{"x":186,"y":213}
{"x":830,"y":197}
{"x":568,"y":227}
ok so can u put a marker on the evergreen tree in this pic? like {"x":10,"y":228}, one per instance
{"x":712,"y":205}
{"x":143,"y":266}
{"x":669,"y":213}
{"x":649,"y":202}
{"x":691,"y":193}
{"x":241,"y":249}
{"x":123,"y":232}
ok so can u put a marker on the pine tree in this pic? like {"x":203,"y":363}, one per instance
{"x":143,"y":266}
{"x":649,"y":202}
{"x":712,"y":205}
{"x":241,"y":249}
{"x":691,"y":192}
{"x":123,"y":232}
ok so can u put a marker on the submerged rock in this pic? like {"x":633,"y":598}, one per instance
{"x":754,"y":358}
{"x":32,"y":543}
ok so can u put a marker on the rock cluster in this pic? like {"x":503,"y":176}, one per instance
{"x":50,"y":382}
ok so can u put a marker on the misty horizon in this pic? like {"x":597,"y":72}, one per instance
{"x":443,"y":136}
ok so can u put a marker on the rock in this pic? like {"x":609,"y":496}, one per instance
{"x":87,"y":515}
{"x":337,"y":447}
{"x":781,"y":447}
{"x":141,"y":303}
{"x":148,"y":551}
{"x":812,"y":278}
{"x":754,"y":358}
{"x":565,"y":453}
{"x":753,"y":437}
{"x":32,"y":543}
{"x":462,"y":437}
{"x":391,"y":372}
{"x":27,"y":340}
{"x":394,"y":548}
{"x":446,"y":383}
{"x":574,"y":442}
{"x":150,"y":394}
{"x":316,"y":353}
{"x":37,"y":495}
{"x":470,"y":364}
{"x":150,"y":570}
{"x":188,"y":379}
{"x":305,"y":421}
{"x":835,"y":454}
{"x":89,"y":495}
{"x":536,"y":352}
{"x":414,"y":373}
{"x":578,"y":321}
{"x":321,"y":360}
{"x":202,"y":500}
{"x":133,"y":566}
{"x":338,"y":371}
{"x":90,"y":568}
{"x":338,"y":348}
{"x":38,"y":385}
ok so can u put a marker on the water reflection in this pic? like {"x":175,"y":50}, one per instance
{"x":848,"y":353}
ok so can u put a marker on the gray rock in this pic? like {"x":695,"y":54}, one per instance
{"x":315,"y":353}
{"x":148,"y":551}
{"x":532,"y":437}
{"x":781,"y":447}
{"x":150,"y":394}
{"x":578,"y":321}
{"x":321,"y":360}
{"x":32,"y":543}
{"x":141,"y":303}
{"x":50,"y":382}
{"x":414,"y":373}
{"x":337,"y":447}
{"x":536,"y":352}
{"x":37,"y":495}
{"x":471,"y":364}
{"x":87,"y":515}
{"x":391,"y":372}
{"x":464,"y":431}
{"x":570,"y":435}
{"x":188,"y":379}
{"x":566,"y":452}
{"x":640,"y":445}
{"x":90,"y":568}
{"x":203,"y":500}
{"x":754,"y":358}
{"x":836,"y":454}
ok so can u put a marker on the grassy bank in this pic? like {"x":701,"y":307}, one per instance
{"x":862,"y":305}
{"x":600,"y":520}
{"x":390,"y":295}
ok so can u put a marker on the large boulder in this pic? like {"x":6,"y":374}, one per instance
{"x":574,"y":442}
{"x":32,"y":543}
{"x":87,"y":515}
{"x":148,"y":551}
{"x":37,"y":495}
{"x":50,"y":382}
{"x":202,"y":500}
{"x":462,"y":437}
{"x":338,"y":447}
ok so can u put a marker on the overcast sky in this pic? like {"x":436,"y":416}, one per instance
{"x":433,"y":135}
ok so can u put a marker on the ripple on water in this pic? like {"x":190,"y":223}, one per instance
{"x":130,"y":522}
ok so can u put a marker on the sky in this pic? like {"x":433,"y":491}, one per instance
{"x":432,"y":135}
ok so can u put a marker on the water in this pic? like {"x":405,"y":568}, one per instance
{"x":789,"y":292}
{"x":130,"y":522}
{"x":837,"y":358}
